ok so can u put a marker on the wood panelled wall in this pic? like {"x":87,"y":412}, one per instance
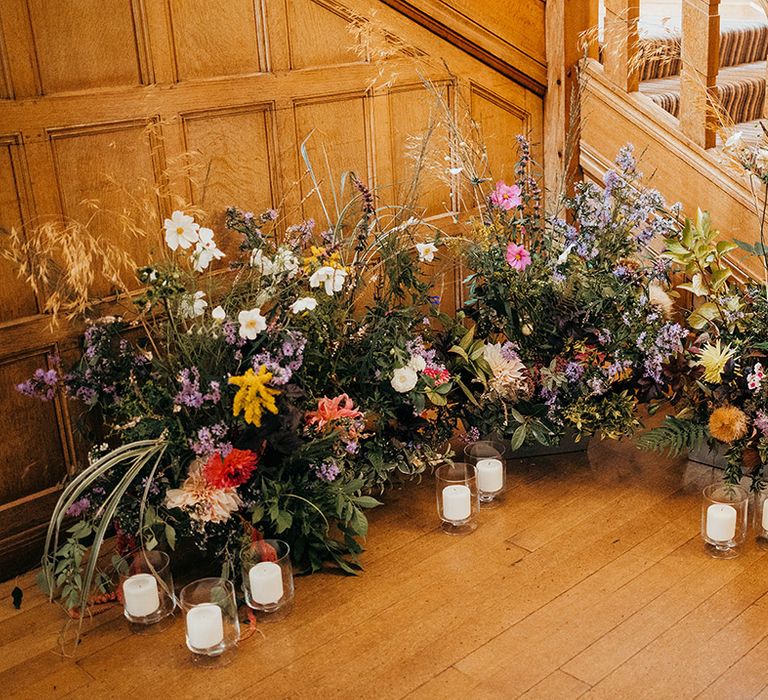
{"x":241,"y":81}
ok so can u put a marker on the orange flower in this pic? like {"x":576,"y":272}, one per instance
{"x":232,"y":471}
{"x":727,"y":423}
{"x":330,"y":410}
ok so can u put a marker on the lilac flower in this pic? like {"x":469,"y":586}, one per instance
{"x":231,"y":335}
{"x":327,"y":471}
{"x":352,"y":447}
{"x":79,"y":507}
{"x":761,"y":423}
{"x":189,"y":394}
{"x":574,"y":371}
{"x":604,"y":336}
{"x":210,"y":439}
{"x":41,"y":385}
{"x":596,"y":386}
{"x":625,"y":160}
{"x":473,"y":435}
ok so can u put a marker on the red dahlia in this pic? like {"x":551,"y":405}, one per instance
{"x":231,"y":471}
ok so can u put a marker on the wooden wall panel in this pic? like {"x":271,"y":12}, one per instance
{"x":243,"y":83}
{"x":86,"y":168}
{"x":337,"y":129}
{"x":235,"y":146}
{"x":32,"y":450}
{"x":216,"y":38}
{"x":85,"y":44}
{"x":413,"y":114}
{"x":18,"y":299}
{"x":318,"y":34}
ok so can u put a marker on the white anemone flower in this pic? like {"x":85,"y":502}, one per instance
{"x":180,"y":230}
{"x":404,"y":379}
{"x":304,"y":304}
{"x":417,"y":363}
{"x":285,"y":262}
{"x":332,"y":279}
{"x":194,"y":306}
{"x":251,"y":323}
{"x":206,"y":250}
{"x":219,"y":314}
{"x":426,"y":251}
{"x":262,"y":263}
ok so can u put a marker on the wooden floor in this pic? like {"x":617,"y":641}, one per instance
{"x":590,"y":581}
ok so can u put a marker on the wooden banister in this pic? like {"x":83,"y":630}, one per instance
{"x":700,"y":54}
{"x":621,"y":43}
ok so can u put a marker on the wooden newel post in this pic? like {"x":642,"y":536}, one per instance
{"x":621,"y":43}
{"x":700,"y":53}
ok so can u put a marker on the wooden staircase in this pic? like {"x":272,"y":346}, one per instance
{"x":673,"y":95}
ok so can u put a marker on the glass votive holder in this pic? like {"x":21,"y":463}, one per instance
{"x":760,"y":515}
{"x":267,"y":575}
{"x":457,"y":499}
{"x":147,"y":587}
{"x":488,"y":458}
{"x":210,"y":616}
{"x":724,"y":519}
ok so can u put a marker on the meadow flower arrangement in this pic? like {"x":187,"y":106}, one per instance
{"x":266,"y":391}
{"x":572,"y":323}
{"x":720,"y":394}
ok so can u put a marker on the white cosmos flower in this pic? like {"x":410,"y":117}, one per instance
{"x":426,"y":251}
{"x":506,"y":370}
{"x":332,"y":278}
{"x":206,"y":250}
{"x":219,"y":314}
{"x":262,"y":263}
{"x":304,"y":304}
{"x":180,"y":230}
{"x":194,"y":306}
{"x":285,"y":262}
{"x":417,"y":363}
{"x":404,"y":379}
{"x":251,"y":323}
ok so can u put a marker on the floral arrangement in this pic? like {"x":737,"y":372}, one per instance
{"x":572,"y":323}
{"x":720,"y":394}
{"x":269,"y":391}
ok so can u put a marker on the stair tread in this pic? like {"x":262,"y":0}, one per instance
{"x":741,"y":91}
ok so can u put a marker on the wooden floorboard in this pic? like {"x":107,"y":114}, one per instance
{"x":589,"y":581}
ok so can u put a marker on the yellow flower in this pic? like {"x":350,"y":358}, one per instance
{"x":254,"y":395}
{"x":713,"y":359}
{"x":727,"y":423}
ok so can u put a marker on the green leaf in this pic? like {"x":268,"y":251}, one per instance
{"x":366,"y":502}
{"x":170,"y":536}
{"x":283,"y":521}
{"x":702,"y":315}
{"x":518,"y":437}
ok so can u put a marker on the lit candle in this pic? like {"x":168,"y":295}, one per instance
{"x":765,"y":515}
{"x":140,"y":595}
{"x":457,"y":502}
{"x":266,"y":579}
{"x":721,"y":522}
{"x":490,"y":475}
{"x":205,"y":626}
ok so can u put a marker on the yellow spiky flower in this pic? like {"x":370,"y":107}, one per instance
{"x":254,"y":396}
{"x":713,"y":359}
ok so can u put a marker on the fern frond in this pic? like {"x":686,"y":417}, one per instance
{"x":675,"y":436}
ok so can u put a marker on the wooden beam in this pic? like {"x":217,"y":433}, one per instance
{"x":569,"y":28}
{"x":700,"y":53}
{"x":621,"y":43}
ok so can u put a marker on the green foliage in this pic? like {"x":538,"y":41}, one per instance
{"x":676,"y":436}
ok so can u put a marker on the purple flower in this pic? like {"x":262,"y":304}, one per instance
{"x":79,"y":507}
{"x":189,"y":393}
{"x":211,"y":439}
{"x":574,"y":371}
{"x":41,"y":385}
{"x":327,"y":471}
{"x":761,"y":423}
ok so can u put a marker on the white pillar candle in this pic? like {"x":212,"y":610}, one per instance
{"x":205,"y":626}
{"x":721,"y":522}
{"x":457,"y":502}
{"x":765,"y":515}
{"x":140,"y":595}
{"x":266,"y":579}
{"x":490,"y":475}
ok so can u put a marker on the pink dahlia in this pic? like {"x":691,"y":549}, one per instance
{"x":506,"y":196}
{"x":518,"y":257}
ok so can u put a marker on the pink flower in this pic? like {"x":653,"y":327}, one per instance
{"x":518,"y":257}
{"x":506,"y":196}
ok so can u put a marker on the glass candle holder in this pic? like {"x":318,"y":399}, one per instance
{"x":457,"y":498}
{"x":147,"y":587}
{"x":210,"y":616}
{"x":267,"y":575}
{"x":724,"y":519}
{"x":489,"y":459}
{"x":760,"y":512}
